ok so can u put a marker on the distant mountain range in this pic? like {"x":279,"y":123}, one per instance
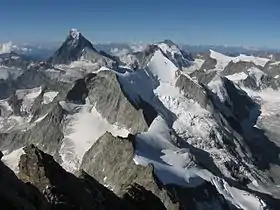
{"x":150,"y":126}
{"x":45,"y":50}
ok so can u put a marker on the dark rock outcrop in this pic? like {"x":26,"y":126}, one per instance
{"x":76,"y":47}
{"x":272,"y":69}
{"x":105,"y":91}
{"x":71,"y":49}
{"x":114,"y":156}
{"x":238,"y":67}
{"x":202,"y":76}
{"x":208,"y":64}
{"x":182,"y":59}
{"x":16,"y":195}
{"x":264,"y":82}
{"x":47,"y":133}
{"x":61,"y":189}
{"x":192,"y":90}
{"x":78,"y":93}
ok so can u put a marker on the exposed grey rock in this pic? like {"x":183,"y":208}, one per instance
{"x":15,"y":104}
{"x":71,"y":49}
{"x":78,"y":93}
{"x":208,"y":64}
{"x":272,"y":69}
{"x":114,"y":156}
{"x":98,"y":58}
{"x":182,"y":60}
{"x":75,"y":48}
{"x":47,"y":133}
{"x":16,"y":195}
{"x":192,"y":90}
{"x":145,"y":56}
{"x":62,"y":189}
{"x":241,"y":66}
{"x":138,"y":196}
{"x":203,"y":77}
{"x":106,"y":93}
{"x":240,"y":103}
{"x":265,"y":82}
{"x":15,"y":60}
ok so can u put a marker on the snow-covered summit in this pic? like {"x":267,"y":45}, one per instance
{"x":224,"y":60}
{"x":74,"y":33}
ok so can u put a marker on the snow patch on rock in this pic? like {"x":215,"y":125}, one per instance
{"x":84,"y":125}
{"x":11,"y":159}
{"x":49,"y":96}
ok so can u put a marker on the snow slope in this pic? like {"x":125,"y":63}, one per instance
{"x":216,"y":86}
{"x":162,"y":68}
{"x":28,"y":96}
{"x":257,"y":60}
{"x":195,"y":65}
{"x":12,"y":159}
{"x":237,"y":77}
{"x":83,"y":127}
{"x":223,"y":60}
{"x":173,"y":49}
{"x":158,"y":145}
{"x":257,"y":74}
{"x":172,"y":165}
{"x":49,"y":96}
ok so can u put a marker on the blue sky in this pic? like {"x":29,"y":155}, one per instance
{"x":232,"y":22}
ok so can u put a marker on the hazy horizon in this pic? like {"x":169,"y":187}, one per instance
{"x":217,"y":22}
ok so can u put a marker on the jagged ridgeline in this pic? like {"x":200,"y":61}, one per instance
{"x":156,"y":128}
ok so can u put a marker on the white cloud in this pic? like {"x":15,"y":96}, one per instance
{"x":119,"y":52}
{"x":6,"y":47}
{"x":138,"y":47}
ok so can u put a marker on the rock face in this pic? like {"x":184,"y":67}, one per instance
{"x":14,"y":60}
{"x":203,"y":76}
{"x":208,"y":64}
{"x":61,"y":189}
{"x":272,"y":69}
{"x":47,"y":133}
{"x":265,"y":81}
{"x":16,"y":195}
{"x":44,"y":185}
{"x":114,"y":156}
{"x":105,"y":91}
{"x":77,"y":47}
{"x":240,"y":103}
{"x":182,"y":59}
{"x":143,"y":57}
{"x":78,"y":93}
{"x":192,"y":90}
{"x":237,"y":67}
{"x":71,"y":49}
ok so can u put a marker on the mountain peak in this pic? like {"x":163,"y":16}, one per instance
{"x":72,"y":48}
{"x":74,"y":33}
{"x":169,"y":42}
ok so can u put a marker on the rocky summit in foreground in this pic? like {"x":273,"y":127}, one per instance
{"x":152,"y":129}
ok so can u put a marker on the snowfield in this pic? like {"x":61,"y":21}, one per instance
{"x":158,"y":145}
{"x":223,"y":60}
{"x":83,"y":127}
{"x":172,"y":165}
{"x":11,"y":159}
{"x":162,"y":68}
{"x":48,"y":97}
